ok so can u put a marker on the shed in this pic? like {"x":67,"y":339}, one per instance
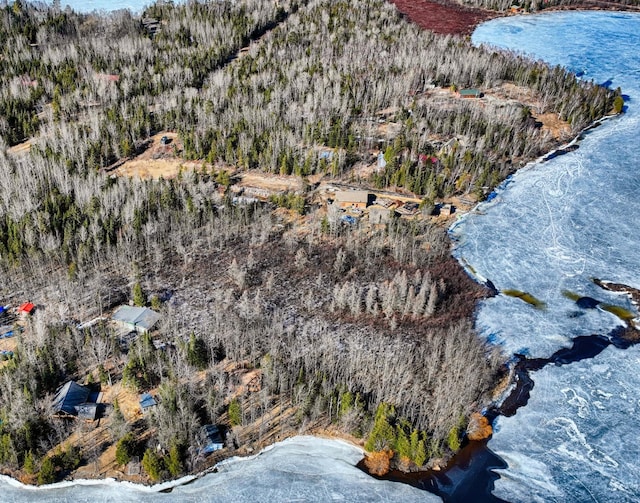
{"x":87,"y":411}
{"x":210,"y":439}
{"x":147,"y":402}
{"x":447,"y":209}
{"x":140,"y":319}
{"x":68,"y":397}
{"x":26,"y":308}
{"x":470,"y":93}
{"x":352,"y":199}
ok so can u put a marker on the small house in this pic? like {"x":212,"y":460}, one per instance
{"x":69,"y":399}
{"x":26,"y":309}
{"x":357,"y":199}
{"x":210,"y":439}
{"x":147,"y":402}
{"x":470,"y":93}
{"x":138,"y":319}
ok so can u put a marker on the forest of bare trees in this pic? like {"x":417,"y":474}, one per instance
{"x":297,"y":88}
{"x":370,"y":330}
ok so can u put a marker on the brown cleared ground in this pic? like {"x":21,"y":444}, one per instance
{"x":20,"y":148}
{"x":158,"y":160}
{"x":274,"y":183}
{"x":443,"y":17}
{"x":550,"y":122}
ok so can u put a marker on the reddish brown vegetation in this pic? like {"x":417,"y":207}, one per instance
{"x":445,"y":17}
{"x":479,"y":427}
{"x":377,"y":463}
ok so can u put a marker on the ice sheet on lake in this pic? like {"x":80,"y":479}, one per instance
{"x":558,"y":224}
{"x":135,"y":6}
{"x":577,"y":439}
{"x":553,"y":227}
{"x":300,"y":469}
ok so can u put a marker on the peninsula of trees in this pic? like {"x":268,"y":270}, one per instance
{"x":276,"y":317}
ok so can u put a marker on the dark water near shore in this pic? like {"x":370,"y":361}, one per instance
{"x":470,"y":475}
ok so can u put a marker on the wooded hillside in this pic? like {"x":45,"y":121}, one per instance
{"x":366,"y":328}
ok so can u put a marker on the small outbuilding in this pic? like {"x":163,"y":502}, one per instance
{"x":26,"y":309}
{"x":87,"y":411}
{"x":447,"y":209}
{"x":210,"y":439}
{"x":470,"y":93}
{"x":147,"y":402}
{"x":139,"y":319}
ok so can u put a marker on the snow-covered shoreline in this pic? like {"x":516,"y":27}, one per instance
{"x":302,"y":468}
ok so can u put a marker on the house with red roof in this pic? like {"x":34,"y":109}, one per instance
{"x":27,"y":308}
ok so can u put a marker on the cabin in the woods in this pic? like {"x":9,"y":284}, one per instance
{"x":210,"y":439}
{"x":138,"y":319}
{"x":74,"y":400}
{"x":470,"y":93}
{"x":147,"y":403}
{"x":358,"y":199}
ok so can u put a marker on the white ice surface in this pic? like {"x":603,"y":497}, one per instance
{"x":554,"y":226}
{"x":300,"y":469}
{"x":103,"y":5}
{"x":577,"y":439}
{"x":135,"y":6}
{"x":557,"y":224}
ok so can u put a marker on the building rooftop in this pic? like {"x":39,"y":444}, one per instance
{"x":352,"y":196}
{"x":27,"y":308}
{"x":69,"y":397}
{"x":146,"y":401}
{"x":139,"y":317}
{"x":470,"y":92}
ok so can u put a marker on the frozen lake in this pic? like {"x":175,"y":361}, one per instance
{"x":135,"y":6}
{"x":553,"y":227}
{"x":300,"y":469}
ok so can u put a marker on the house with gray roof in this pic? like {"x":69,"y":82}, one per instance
{"x":73,"y":399}
{"x":139,"y":319}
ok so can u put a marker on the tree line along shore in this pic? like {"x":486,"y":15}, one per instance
{"x":272,"y":315}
